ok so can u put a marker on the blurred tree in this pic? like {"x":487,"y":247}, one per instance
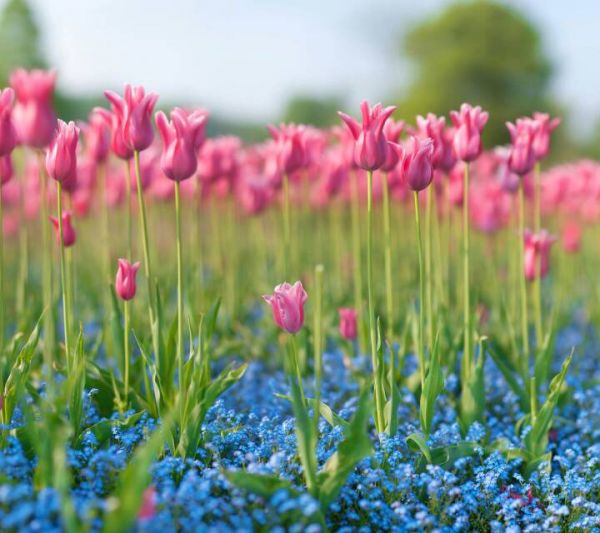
{"x":481,"y":52}
{"x":320,"y":112}
{"x":19,"y":39}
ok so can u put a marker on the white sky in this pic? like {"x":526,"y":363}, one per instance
{"x":246,"y":57}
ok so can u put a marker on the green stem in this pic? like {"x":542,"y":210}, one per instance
{"x":128,"y":224}
{"x":377,"y":364}
{"x":356,"y":252}
{"x":537,"y":284}
{"x":179,"y":290}
{"x":318,"y":341}
{"x":533,"y":399}
{"x":468,"y":339}
{"x":104,"y":224}
{"x":63,"y":277}
{"x":126,"y":349}
{"x":428,"y":264}
{"x":523,"y":284}
{"x":421,"y":330}
{"x":1,"y":277}
{"x":286,"y":225}
{"x":387,"y":236}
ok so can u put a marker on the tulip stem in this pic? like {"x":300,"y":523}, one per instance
{"x":126,"y":349}
{"x":318,"y":341}
{"x":387,"y":237}
{"x":357,"y":264}
{"x":375,"y":359}
{"x":286,"y":224}
{"x":128,"y":224}
{"x":179,"y":290}
{"x":522,"y":283}
{"x":428,"y":264}
{"x":1,"y":276}
{"x":421,"y":329}
{"x":63,"y":276}
{"x":468,"y":336}
{"x":104,"y":223}
{"x":537,"y":284}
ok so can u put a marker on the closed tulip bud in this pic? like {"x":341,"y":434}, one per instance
{"x":69,"y":235}
{"x":180,"y":136}
{"x":8,"y":135}
{"x":289,"y":147}
{"x":469,"y":123}
{"x":125,"y":281}
{"x":417,"y":165}
{"x":287,"y":303}
{"x":541,"y":141}
{"x":348,"y":327}
{"x":537,"y":249}
{"x":370,"y":145}
{"x":61,"y":156}
{"x":33,"y":117}
{"x":522,"y":156}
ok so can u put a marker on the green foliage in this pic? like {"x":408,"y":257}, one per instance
{"x":319,"y":112}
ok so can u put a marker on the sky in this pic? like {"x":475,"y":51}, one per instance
{"x":245,"y":58}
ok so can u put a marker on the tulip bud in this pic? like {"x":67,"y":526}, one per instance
{"x":61,"y":157}
{"x":287,"y":303}
{"x":69,"y":235}
{"x":125,"y":281}
{"x":289,"y":147}
{"x":522,"y":157}
{"x":541,"y":141}
{"x":469,"y":123}
{"x":348,"y":327}
{"x":537,"y":248}
{"x":417,"y":165}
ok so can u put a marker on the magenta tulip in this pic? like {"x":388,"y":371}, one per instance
{"x":571,"y":237}
{"x":537,"y":248}
{"x":469,"y":123}
{"x":348,"y":326}
{"x":61,"y":157}
{"x":370,"y":145}
{"x":33,"y":116}
{"x":435,"y":128}
{"x":417,"y":163}
{"x":8,"y":134}
{"x":69,"y":235}
{"x":125,"y":282}
{"x":522,"y":156}
{"x":287,"y":303}
{"x":541,"y":141}
{"x":289,"y":147}
{"x":7,"y":170}
{"x":180,"y":138}
{"x":97,"y":136}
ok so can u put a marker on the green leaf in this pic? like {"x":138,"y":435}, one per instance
{"x":76,"y":386}
{"x":417,"y":442}
{"x":261,"y":484}
{"x":446,"y":455}
{"x":103,"y":430}
{"x":391,"y":407}
{"x":510,"y":377}
{"x":434,"y":384}
{"x":472,"y":398}
{"x":326,"y":412}
{"x":354,"y":447}
{"x":116,"y":328}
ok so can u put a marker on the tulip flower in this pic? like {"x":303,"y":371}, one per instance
{"x":469,"y":123}
{"x":541,"y":141}
{"x":61,"y":157}
{"x":181,"y":138}
{"x":537,"y":249}
{"x":134,"y":113}
{"x":117,"y":141}
{"x":97,"y":136}
{"x":289,"y":147}
{"x":125,"y":284}
{"x":392,"y":131}
{"x":33,"y":117}
{"x":6,"y":169}
{"x":522,"y":157}
{"x":417,"y":163}
{"x":69,"y":235}
{"x":571,"y":237}
{"x":8,"y":134}
{"x":370,"y":145}
{"x":433,"y":127}
{"x":287,"y":303}
{"x":348,"y":326}
{"x":148,"y":507}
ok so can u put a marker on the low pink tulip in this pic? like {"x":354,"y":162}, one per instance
{"x":541,"y":142}
{"x":8,"y":134}
{"x":69,"y":235}
{"x":287,"y":303}
{"x":289,"y":147}
{"x":348,"y":323}
{"x":125,"y":285}
{"x":61,"y":157}
{"x":571,"y":237}
{"x":417,"y":164}
{"x":435,"y":128}
{"x":537,"y":248}
{"x":522,"y":157}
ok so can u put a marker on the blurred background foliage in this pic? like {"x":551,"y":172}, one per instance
{"x":479,"y":51}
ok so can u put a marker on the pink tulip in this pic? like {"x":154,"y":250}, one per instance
{"x":289,"y":147}
{"x":287,"y":303}
{"x":33,"y":116}
{"x":348,"y":327}
{"x":61,"y":157}
{"x":370,"y":145}
{"x":134,"y":113}
{"x":522,"y":156}
{"x":8,"y":134}
{"x":469,"y":123}
{"x":219,"y":157}
{"x":417,"y":164}
{"x":69,"y":235}
{"x":442,"y":137}
{"x":6,"y":169}
{"x":148,"y":508}
{"x":115,"y":124}
{"x":571,"y":237}
{"x":97,"y":137}
{"x":125,"y":281}
{"x":180,"y":139}
{"x":537,"y":248}
{"x":541,"y":141}
{"x":392,"y":131}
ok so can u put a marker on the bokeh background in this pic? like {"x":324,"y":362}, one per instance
{"x":251,"y":62}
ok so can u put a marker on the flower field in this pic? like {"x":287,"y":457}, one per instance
{"x":380,"y":326}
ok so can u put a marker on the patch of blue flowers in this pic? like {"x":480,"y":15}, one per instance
{"x":251,"y":428}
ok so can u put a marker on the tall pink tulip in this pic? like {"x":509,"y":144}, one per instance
{"x":117,"y":142}
{"x":69,"y":235}
{"x":392,"y":130}
{"x":417,"y":163}
{"x":181,"y":139}
{"x":8,"y":134}
{"x":33,"y":115}
{"x":289,"y":147}
{"x":287,"y":303}
{"x":522,"y":156}
{"x":97,"y":136}
{"x":370,"y":145}
{"x":134,"y":113}
{"x":61,"y":157}
{"x":435,"y":128}
{"x":537,"y":248}
{"x":469,"y":123}
{"x":348,"y":327}
{"x":125,"y":283}
{"x":541,"y":141}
